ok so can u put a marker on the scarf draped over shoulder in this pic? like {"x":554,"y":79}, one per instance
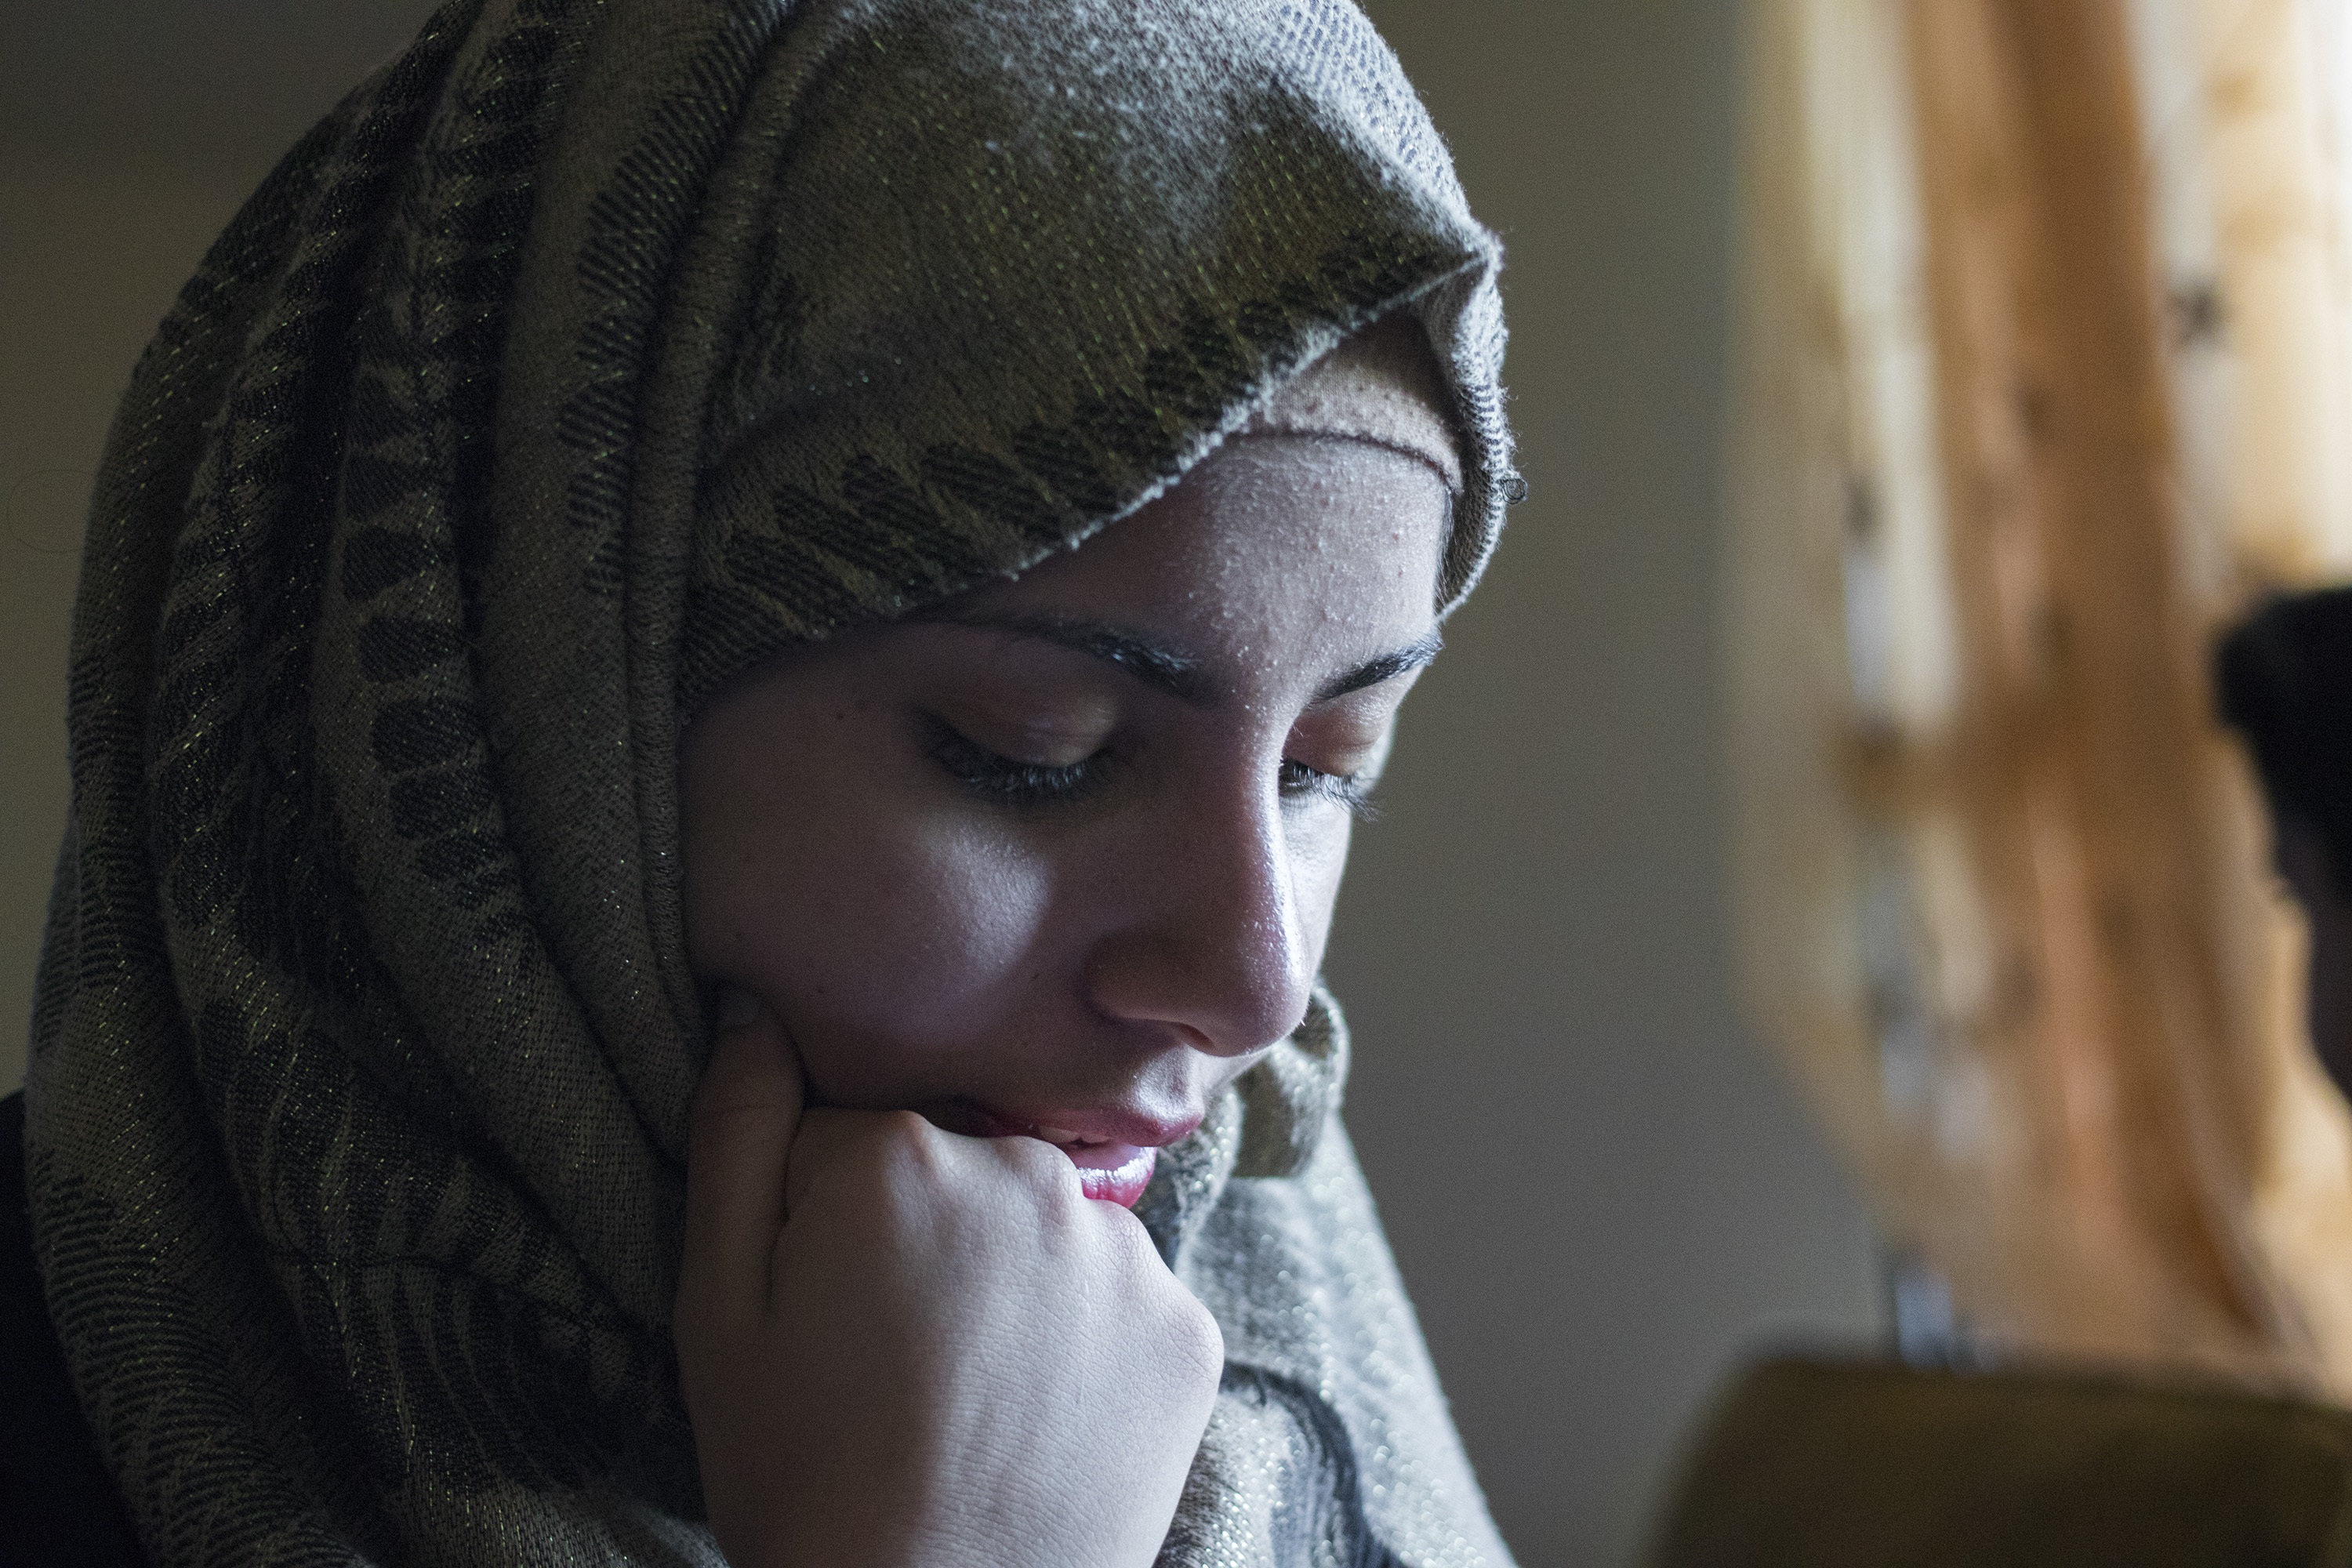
{"x":584,"y":356}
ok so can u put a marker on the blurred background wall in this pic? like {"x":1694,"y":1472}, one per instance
{"x":1600,"y":1188}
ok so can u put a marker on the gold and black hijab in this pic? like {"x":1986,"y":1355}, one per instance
{"x":587,"y":354}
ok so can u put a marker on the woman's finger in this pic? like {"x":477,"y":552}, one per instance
{"x":739,"y":1145}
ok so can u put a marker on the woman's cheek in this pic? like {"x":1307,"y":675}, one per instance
{"x":917,"y":944}
{"x":1318,"y":861}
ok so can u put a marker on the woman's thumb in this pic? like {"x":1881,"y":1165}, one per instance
{"x":739,"y":1146}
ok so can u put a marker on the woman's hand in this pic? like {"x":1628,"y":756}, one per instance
{"x":899,"y":1346}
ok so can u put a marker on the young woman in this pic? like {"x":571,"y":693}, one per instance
{"x":725,"y":656}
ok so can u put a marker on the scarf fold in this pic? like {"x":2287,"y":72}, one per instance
{"x":585,"y":356}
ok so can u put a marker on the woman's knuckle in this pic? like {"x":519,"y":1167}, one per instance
{"x":904,"y":1129}
{"x":1198,"y":1339}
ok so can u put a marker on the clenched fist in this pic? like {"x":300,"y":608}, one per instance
{"x":902,"y":1346}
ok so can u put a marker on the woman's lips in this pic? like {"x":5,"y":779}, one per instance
{"x":1115,"y":1172}
{"x":1113,"y":1165}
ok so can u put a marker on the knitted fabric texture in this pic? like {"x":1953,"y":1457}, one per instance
{"x":584,"y":356}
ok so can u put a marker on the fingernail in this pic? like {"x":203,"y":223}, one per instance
{"x":737,"y":1007}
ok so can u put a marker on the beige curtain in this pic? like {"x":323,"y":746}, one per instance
{"x":2045,"y":371}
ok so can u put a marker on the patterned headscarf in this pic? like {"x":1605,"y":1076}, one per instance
{"x":587,"y":354}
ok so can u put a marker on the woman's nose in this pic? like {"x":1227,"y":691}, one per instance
{"x":1211,"y":937}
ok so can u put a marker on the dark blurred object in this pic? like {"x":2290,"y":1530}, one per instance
{"x":58,"y":1506}
{"x":2284,"y":676}
{"x":1814,"y":1464}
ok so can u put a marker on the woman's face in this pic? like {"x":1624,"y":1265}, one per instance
{"x":1059,"y":857}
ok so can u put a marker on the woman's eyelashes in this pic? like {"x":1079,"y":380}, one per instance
{"x":1021,"y":781}
{"x":1351,"y":792}
{"x":994,"y":776}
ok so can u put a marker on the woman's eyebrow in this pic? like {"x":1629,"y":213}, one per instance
{"x":1386,"y":667}
{"x":1161,"y":668}
{"x":1164,"y":668}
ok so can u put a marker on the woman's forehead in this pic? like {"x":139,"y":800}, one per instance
{"x":1275,"y":551}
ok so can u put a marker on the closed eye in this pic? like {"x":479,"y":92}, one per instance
{"x":1351,"y":792}
{"x":991,"y":775}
